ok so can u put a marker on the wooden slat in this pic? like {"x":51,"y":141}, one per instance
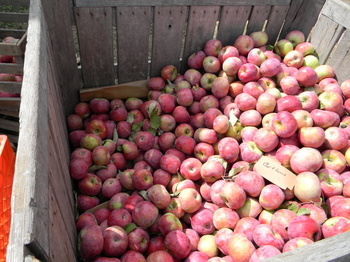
{"x":168,"y":33}
{"x":10,"y":68}
{"x":16,"y":33}
{"x":302,"y":15}
{"x":340,"y":58}
{"x":275,"y":23}
{"x":325,"y":36}
{"x":6,"y":112}
{"x":231,"y":23}
{"x":121,"y":91}
{"x":30,"y":225}
{"x":133,"y":28}
{"x":14,"y":17}
{"x":11,"y":103}
{"x":80,"y":3}
{"x":9,"y":125}
{"x":330,"y":249}
{"x":10,"y":87}
{"x":59,"y":23}
{"x":338,"y":11}
{"x":96,"y":45}
{"x":16,"y":2}
{"x":257,"y":18}
{"x":12,"y":138}
{"x":200,"y":29}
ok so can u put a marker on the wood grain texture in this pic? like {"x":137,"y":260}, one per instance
{"x":302,"y":15}
{"x":11,"y":103}
{"x":340,"y":57}
{"x":200,"y":29}
{"x":232,"y":23}
{"x":30,"y":188}
{"x":96,"y":55}
{"x":10,"y":87}
{"x":133,"y":29}
{"x":11,"y":68}
{"x":338,"y":11}
{"x":325,"y":36}
{"x":168,"y":34}
{"x":80,"y":3}
{"x":14,"y":17}
{"x":330,"y":249}
{"x":16,"y":2}
{"x":61,"y":40}
{"x":275,"y":23}
{"x":257,"y":18}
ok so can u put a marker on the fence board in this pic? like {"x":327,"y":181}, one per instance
{"x":168,"y":33}
{"x":133,"y":28}
{"x":96,"y":45}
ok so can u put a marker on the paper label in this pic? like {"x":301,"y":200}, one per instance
{"x":272,"y":170}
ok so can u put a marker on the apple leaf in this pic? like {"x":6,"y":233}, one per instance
{"x":119,"y":148}
{"x":269,"y":47}
{"x":290,"y":206}
{"x":152,"y":110}
{"x":115,"y":135}
{"x":137,"y":126}
{"x":172,"y":85}
{"x":130,"y":227}
{"x":130,"y":118}
{"x":303,"y":211}
{"x":152,"y":131}
{"x":143,"y":193}
{"x":96,"y":167}
{"x":155,"y":121}
{"x":232,"y":118}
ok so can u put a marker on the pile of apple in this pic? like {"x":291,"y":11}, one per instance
{"x":178,"y":168}
{"x":9,"y":59}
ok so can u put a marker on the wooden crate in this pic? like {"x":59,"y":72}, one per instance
{"x":122,"y":41}
{"x":9,"y":106}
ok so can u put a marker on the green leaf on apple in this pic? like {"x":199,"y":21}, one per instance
{"x":152,"y":131}
{"x":137,"y":126}
{"x":130,"y":118}
{"x":152,"y":109}
{"x":172,"y":85}
{"x":155,"y":121}
{"x":303,"y":211}
{"x":290,"y":206}
{"x":115,"y":135}
{"x":269,"y":47}
{"x":130,"y":227}
{"x":96,"y":167}
{"x":232,"y":118}
{"x":143,"y":193}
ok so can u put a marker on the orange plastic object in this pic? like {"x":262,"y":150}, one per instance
{"x":7,"y":166}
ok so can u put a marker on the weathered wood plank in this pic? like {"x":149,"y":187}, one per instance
{"x":80,"y":3}
{"x":167,"y":36}
{"x":62,"y":250}
{"x":231,"y":23}
{"x":325,"y":36}
{"x":9,"y":125}
{"x":10,"y":103}
{"x":330,"y":249}
{"x":61,"y":40}
{"x":275,"y":23}
{"x":257,"y":18}
{"x":201,"y":26}
{"x":16,"y":2}
{"x":340,"y":58}
{"x":96,"y":55}
{"x":10,"y":68}
{"x":30,"y":194}
{"x":10,"y":87}
{"x":133,"y":32}
{"x":16,"y":33}
{"x":6,"y":112}
{"x":302,"y":15}
{"x":14,"y":17}
{"x":338,"y":11}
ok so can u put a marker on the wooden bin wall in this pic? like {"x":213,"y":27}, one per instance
{"x":9,"y":106}
{"x":43,"y":227}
